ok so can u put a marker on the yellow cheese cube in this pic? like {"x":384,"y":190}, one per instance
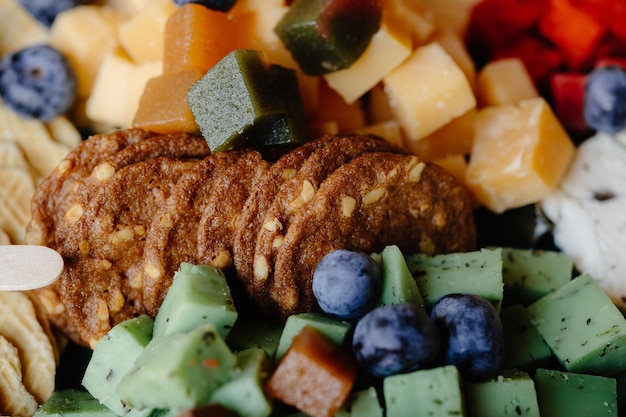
{"x":142,"y":35}
{"x":427,"y":91}
{"x":456,"y":164}
{"x":18,"y":28}
{"x":454,"y":45}
{"x":519,"y":155}
{"x":454,"y":14}
{"x":128,"y":8}
{"x":418,"y":20}
{"x":389,"y":47}
{"x":84,"y":34}
{"x":118,"y":88}
{"x":494,"y":86}
{"x":389,"y":130}
{"x":255,"y":30}
{"x":378,"y":106}
{"x":454,"y":138}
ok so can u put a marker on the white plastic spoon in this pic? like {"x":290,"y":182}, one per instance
{"x":26,"y":267}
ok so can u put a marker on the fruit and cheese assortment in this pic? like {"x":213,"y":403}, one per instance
{"x":155,"y":63}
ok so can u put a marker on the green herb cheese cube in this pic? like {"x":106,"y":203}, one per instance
{"x":530,"y":274}
{"x":571,"y":394}
{"x":252,"y":331}
{"x":245,"y":393}
{"x":476,"y":272}
{"x":398,"y":285}
{"x":511,"y":393}
{"x":112,"y":358}
{"x":75,"y":403}
{"x":178,"y":371}
{"x":335,"y":330}
{"x":425,"y":393}
{"x":198,"y":294}
{"x":584,"y":329}
{"x":524,"y":348}
{"x":363,"y":403}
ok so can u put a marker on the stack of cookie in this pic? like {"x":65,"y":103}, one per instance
{"x":125,"y":209}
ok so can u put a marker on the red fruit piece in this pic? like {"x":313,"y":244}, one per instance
{"x":494,"y":24}
{"x":315,"y":375}
{"x":568,"y":96}
{"x":574,"y":31}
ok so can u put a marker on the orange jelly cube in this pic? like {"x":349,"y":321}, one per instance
{"x":315,"y":375}
{"x":196,"y":37}
{"x":163,"y":105}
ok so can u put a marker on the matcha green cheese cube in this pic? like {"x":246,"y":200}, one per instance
{"x":199,"y":294}
{"x":511,"y":393}
{"x":425,"y":393}
{"x":398,"y":284}
{"x":584,"y":329}
{"x":75,"y":403}
{"x":246,"y":101}
{"x":571,"y":394}
{"x":179,"y":371}
{"x":524,"y":348}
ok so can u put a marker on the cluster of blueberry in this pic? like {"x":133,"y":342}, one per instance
{"x":462,"y":329}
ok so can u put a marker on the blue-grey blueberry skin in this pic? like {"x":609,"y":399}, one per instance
{"x":604,"y":107}
{"x":395,"y":339}
{"x":46,"y":11}
{"x":37,"y":82}
{"x":220,"y":5}
{"x":471,"y":334}
{"x":346,"y":284}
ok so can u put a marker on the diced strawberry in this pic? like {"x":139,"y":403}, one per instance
{"x":494,"y":24}
{"x":568,"y":95}
{"x":574,"y":31}
{"x":610,"y":61}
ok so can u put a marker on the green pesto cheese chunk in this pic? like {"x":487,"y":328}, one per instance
{"x":584,"y":329}
{"x":335,"y":330}
{"x":198,"y":294}
{"x":524,"y":348}
{"x":245,"y":393}
{"x":424,"y":393}
{"x":113,"y":358}
{"x":178,"y":371}
{"x":530,"y":274}
{"x":363,"y":403}
{"x":251,"y":331}
{"x":573,"y":394}
{"x":398,"y":285}
{"x":511,"y":393}
{"x":245,"y":101}
{"x":75,"y":403}
{"x":476,"y":272}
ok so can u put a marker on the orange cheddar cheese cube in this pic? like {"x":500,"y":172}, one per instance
{"x":163,"y":106}
{"x":427,"y":91}
{"x":194,"y":38}
{"x":389,"y":130}
{"x":388,"y":48}
{"x":314,"y":375}
{"x":520,"y":153}
{"x":142,"y":35}
{"x":504,"y":81}
{"x":333,"y":108}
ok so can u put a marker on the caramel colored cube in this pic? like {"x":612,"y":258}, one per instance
{"x":315,"y":375}
{"x":163,"y":106}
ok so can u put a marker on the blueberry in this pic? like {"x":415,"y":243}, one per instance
{"x":220,"y":5}
{"x":471,"y":333}
{"x":394,"y":339}
{"x":37,"y":82}
{"x":45,"y":11}
{"x":346,"y":284}
{"x":605,"y":99}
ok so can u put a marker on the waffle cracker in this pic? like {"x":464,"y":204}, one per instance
{"x":20,"y":325}
{"x":15,"y":400}
{"x":16,"y":189}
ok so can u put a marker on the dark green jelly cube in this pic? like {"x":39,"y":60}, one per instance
{"x":328,"y":35}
